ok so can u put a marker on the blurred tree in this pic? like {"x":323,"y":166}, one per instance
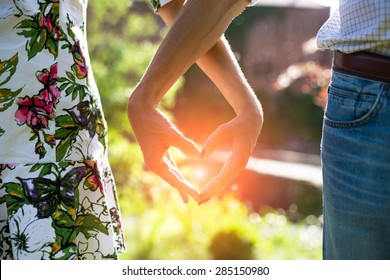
{"x":123,"y":36}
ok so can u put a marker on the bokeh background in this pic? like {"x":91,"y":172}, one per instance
{"x":272,"y":210}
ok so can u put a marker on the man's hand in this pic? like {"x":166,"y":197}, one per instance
{"x":241,"y":135}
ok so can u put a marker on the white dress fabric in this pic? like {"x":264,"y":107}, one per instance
{"x":57,"y":193}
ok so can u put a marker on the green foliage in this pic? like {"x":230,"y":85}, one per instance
{"x":123,"y":36}
{"x":293,"y":122}
{"x":241,"y":25}
{"x":229,"y":245}
{"x":160,"y":226}
{"x":120,"y":47}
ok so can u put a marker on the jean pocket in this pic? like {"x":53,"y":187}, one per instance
{"x":349,"y":109}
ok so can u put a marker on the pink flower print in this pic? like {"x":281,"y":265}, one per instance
{"x":38,"y":110}
{"x":9,"y":166}
{"x":46,"y":77}
{"x":93,"y":180}
{"x":50,"y":93}
{"x":49,"y":24}
{"x":4,"y":166}
{"x":80,"y":66}
{"x":34,"y":112}
{"x":115,"y":217}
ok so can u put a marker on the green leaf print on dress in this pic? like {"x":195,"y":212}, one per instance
{"x":70,"y":196}
{"x":82,"y":117}
{"x":7,"y":96}
{"x":7,"y":69}
{"x":156,"y":4}
{"x":57,"y":193}
{"x":42,"y":29}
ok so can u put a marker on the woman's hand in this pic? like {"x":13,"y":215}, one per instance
{"x":155,"y":134}
{"x":241,"y":134}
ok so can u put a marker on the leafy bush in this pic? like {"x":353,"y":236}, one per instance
{"x":229,"y":245}
{"x":159,"y":226}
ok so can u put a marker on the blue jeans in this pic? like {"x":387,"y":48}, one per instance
{"x":356,"y":169}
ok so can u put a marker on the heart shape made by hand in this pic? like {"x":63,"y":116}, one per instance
{"x":198,"y":173}
{"x":156,"y":134}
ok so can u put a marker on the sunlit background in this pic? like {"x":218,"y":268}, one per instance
{"x":272,"y":210}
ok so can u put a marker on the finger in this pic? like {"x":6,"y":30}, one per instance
{"x":185,"y":145}
{"x":200,"y":202}
{"x":170,"y":158}
{"x":183,"y":195}
{"x":172,"y":176}
{"x":210,"y":190}
{"x":235,"y":163}
{"x":217,"y":137}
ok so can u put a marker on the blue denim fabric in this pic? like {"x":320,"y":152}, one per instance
{"x":356,"y":169}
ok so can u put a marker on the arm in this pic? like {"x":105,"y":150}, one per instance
{"x":220,"y":65}
{"x":198,"y":26}
{"x":199,"y":21}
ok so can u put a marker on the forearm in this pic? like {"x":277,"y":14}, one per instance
{"x":220,"y":65}
{"x":198,"y":26}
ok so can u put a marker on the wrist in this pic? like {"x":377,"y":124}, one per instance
{"x":141,"y":98}
{"x":251,"y":108}
{"x":252,"y":116}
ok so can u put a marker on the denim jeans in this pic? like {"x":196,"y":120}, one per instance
{"x":356,"y":169}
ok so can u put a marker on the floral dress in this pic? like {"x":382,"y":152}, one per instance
{"x":57,"y":193}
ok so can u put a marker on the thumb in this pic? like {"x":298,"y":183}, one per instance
{"x":218,"y":136}
{"x":185,"y":145}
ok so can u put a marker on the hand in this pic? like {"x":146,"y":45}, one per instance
{"x":241,"y":134}
{"x":203,"y":22}
{"x":155,"y":134}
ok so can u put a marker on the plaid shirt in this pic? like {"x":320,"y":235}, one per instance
{"x":357,"y":25}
